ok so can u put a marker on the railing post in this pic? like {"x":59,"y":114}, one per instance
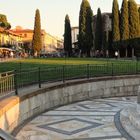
{"x":87,"y":71}
{"x":20,"y":66}
{"x":107,"y":70}
{"x":39,"y":78}
{"x":112,"y":69}
{"x":15,"y":82}
{"x":63,"y":74}
{"x":136,"y":67}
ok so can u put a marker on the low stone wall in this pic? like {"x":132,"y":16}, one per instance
{"x":15,"y":110}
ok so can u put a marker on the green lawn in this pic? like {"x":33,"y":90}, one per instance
{"x":49,"y":62}
{"x":54,"y":69}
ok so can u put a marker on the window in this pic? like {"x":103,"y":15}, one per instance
{"x":25,"y":35}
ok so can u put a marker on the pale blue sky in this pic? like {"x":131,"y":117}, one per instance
{"x":21,"y":12}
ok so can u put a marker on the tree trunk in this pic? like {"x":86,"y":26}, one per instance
{"x":107,"y":53}
{"x":126,"y":53}
{"x":118,"y":53}
{"x":88,"y":53}
{"x":132,"y":52}
{"x":35,"y":54}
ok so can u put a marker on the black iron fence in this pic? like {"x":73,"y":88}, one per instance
{"x":12,"y":81}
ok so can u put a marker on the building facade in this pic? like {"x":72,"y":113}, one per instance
{"x":74,"y":36}
{"x":49,"y":43}
{"x":27,"y":35}
{"x":7,"y":37}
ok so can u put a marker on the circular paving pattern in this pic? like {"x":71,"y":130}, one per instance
{"x":97,"y":119}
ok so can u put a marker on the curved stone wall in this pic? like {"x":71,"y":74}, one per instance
{"x":16,"y":110}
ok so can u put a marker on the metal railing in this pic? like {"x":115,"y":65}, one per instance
{"x":12,"y":81}
{"x":5,"y":136}
{"x":7,"y":84}
{"x":68,"y":72}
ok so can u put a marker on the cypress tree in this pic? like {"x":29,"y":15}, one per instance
{"x":85,"y":40}
{"x":134,"y":30}
{"x":89,"y":30}
{"x":115,"y":26}
{"x":67,"y":37}
{"x":139,"y":14}
{"x":98,"y":31}
{"x":124,"y":25}
{"x":37,"y":40}
{"x":105,"y":43}
{"x":138,"y":52}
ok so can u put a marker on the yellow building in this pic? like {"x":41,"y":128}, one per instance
{"x":49,"y":43}
{"x":26,"y":34}
{"x":9,"y":38}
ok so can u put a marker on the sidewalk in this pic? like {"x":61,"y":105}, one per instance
{"x":33,"y":88}
{"x":2,"y":60}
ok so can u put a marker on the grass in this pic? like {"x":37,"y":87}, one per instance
{"x":52,"y":62}
{"x":54,"y":69}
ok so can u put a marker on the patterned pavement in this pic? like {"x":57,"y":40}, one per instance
{"x":97,"y":119}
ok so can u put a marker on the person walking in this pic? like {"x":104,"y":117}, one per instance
{"x":116,"y":54}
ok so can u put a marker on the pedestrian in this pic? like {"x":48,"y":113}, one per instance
{"x":116,"y":54}
{"x":11,"y":54}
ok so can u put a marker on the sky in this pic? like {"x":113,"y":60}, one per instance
{"x":53,"y":12}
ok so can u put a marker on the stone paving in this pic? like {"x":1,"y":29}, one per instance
{"x":97,"y":119}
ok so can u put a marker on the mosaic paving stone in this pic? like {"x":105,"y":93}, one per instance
{"x":88,"y":120}
{"x":71,"y":126}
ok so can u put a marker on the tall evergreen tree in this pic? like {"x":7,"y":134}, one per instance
{"x":98,"y":31}
{"x":134,"y":30}
{"x":37,"y":40}
{"x":139,"y":14}
{"x":115,"y":26}
{"x":105,"y":43}
{"x":124,"y":26}
{"x":67,"y":37}
{"x":89,"y":30}
{"x":85,"y":40}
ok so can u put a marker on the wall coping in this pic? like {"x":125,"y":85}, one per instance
{"x":73,"y":83}
{"x":8,"y":103}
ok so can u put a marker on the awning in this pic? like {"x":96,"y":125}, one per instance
{"x":7,"y":49}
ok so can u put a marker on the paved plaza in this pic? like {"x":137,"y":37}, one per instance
{"x":97,"y":119}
